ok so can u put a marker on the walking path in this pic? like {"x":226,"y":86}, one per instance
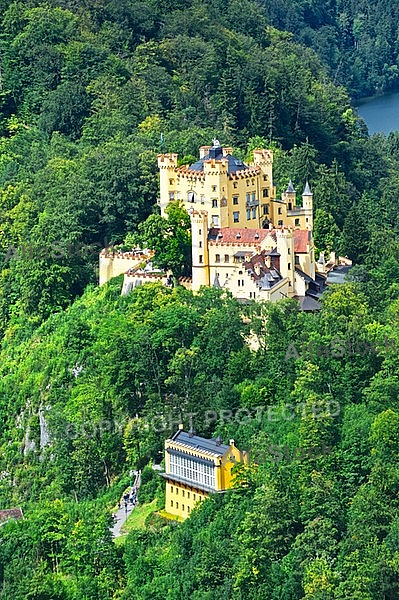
{"x":126,"y":505}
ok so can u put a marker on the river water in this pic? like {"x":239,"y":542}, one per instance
{"x":381,"y":113}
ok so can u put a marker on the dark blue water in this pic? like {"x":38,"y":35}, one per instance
{"x":381,"y":113}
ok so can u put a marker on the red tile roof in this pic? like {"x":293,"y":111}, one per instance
{"x":10,"y":513}
{"x":301,"y":240}
{"x":256,"y":236}
{"x":246,"y":236}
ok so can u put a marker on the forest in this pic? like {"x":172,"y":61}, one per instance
{"x":90,"y":92}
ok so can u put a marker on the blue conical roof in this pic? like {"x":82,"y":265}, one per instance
{"x":307,"y":191}
{"x":290,"y":189}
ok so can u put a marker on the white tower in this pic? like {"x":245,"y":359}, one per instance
{"x":285,"y":247}
{"x":200,"y":261}
{"x":307,"y":205}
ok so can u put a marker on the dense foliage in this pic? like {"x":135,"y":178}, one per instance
{"x":114,"y":375}
{"x":92,"y":382}
{"x":357,"y":40}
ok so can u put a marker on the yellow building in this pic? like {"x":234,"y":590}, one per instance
{"x":196,"y":467}
{"x":232,"y":193}
{"x":256,"y":264}
{"x":244,"y":239}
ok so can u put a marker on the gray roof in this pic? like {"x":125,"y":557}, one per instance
{"x":196,"y":442}
{"x":308,"y":304}
{"x":216,"y":282}
{"x":290,"y":189}
{"x":338,"y":274}
{"x":304,"y":275}
{"x":307,"y":191}
{"x":233,"y":164}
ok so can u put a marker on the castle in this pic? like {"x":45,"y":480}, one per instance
{"x":244,"y":239}
{"x":232,"y":193}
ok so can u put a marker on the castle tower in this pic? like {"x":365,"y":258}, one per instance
{"x":167,"y":164}
{"x":285,"y":247}
{"x":289,"y":196}
{"x":307,"y":204}
{"x":200,"y":260}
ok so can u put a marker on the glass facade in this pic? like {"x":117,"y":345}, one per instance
{"x":192,"y":470}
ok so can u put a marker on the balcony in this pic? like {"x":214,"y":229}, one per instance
{"x":251,"y":203}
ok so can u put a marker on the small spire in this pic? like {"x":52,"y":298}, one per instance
{"x":216,"y":283}
{"x":307,"y":191}
{"x":290,"y":189}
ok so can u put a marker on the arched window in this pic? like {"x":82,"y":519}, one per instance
{"x":191,"y":196}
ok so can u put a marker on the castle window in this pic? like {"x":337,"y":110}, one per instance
{"x":177,"y":505}
{"x":235,"y":200}
{"x":214,"y":203}
{"x":182,"y":493}
{"x":265,"y":208}
{"x":289,"y":250}
{"x":171,"y":489}
{"x":289,"y":266}
{"x":188,"y":494}
{"x":307,"y":220}
{"x":280,"y":223}
{"x":235,"y":184}
{"x":264,"y":177}
{"x":201,"y":260}
{"x":214,"y":188}
{"x":253,"y":196}
{"x":248,"y":197}
{"x":217,"y":258}
{"x":248,"y":182}
{"x":280,"y":210}
{"x":297,"y":222}
{"x":236,"y":217}
{"x":191,"y":196}
{"x":202,"y":199}
{"x":182,"y":506}
{"x":215,"y":220}
{"x":239,"y":282}
{"x":265,"y":193}
{"x":194,"y":496}
{"x":248,"y":213}
{"x":171,"y":181}
{"x":254,"y":213}
{"x":177,"y":491}
{"x":226,"y":258}
{"x":199,"y":231}
{"x":289,"y":205}
{"x":171,"y":503}
{"x":171,"y":195}
{"x":297,"y":260}
{"x":200,"y":244}
{"x":188,"y":509}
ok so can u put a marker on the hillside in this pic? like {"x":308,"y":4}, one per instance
{"x":92,"y":383}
